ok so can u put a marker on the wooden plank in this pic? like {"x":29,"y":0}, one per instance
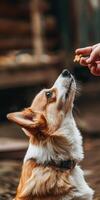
{"x":16,"y":28}
{"x":9,"y":26}
{"x":14,"y":9}
{"x":18,"y":78}
{"x":16,"y":43}
{"x":10,"y":144}
{"x":20,"y":9}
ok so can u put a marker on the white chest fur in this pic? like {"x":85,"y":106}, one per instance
{"x":39,"y":152}
{"x":70,"y":147}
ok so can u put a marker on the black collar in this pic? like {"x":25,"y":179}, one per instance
{"x":61,"y":164}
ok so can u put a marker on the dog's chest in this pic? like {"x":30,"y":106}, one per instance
{"x":46,"y":181}
{"x":60,"y":148}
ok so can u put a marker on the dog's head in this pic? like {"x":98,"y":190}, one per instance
{"x":49,"y":108}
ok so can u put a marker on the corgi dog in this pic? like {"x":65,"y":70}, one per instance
{"x":51,"y":168}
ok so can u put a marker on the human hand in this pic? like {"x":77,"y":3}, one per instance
{"x":91,"y":59}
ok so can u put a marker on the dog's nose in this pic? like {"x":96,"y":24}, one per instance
{"x":66,"y":73}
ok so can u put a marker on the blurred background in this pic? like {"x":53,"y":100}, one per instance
{"x":38,"y":39}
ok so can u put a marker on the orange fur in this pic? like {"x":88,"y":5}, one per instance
{"x":53,"y":182}
{"x":26,"y":173}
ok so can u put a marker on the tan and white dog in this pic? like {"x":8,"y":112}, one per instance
{"x":51,"y":165}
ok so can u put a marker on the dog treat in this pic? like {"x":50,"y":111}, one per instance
{"x":77,"y":58}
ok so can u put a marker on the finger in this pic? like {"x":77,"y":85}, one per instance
{"x":96,"y":45}
{"x":98,"y":67}
{"x":95,"y":54}
{"x":90,"y":66}
{"x":95,"y":71}
{"x":97,"y":62}
{"x":84,"y":51}
{"x":83,"y":61}
{"x":92,"y":57}
{"x":92,"y":69}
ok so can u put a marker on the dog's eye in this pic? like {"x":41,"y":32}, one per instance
{"x":48,"y":95}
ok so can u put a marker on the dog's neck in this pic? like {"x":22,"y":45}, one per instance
{"x":66,"y":144}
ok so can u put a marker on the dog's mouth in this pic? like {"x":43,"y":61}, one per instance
{"x":69,"y":89}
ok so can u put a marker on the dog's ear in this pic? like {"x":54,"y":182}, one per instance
{"x":29,"y":120}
